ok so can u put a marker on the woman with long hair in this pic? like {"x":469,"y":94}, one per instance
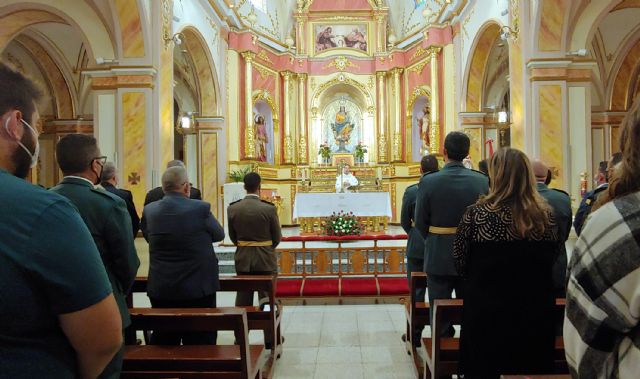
{"x":505,"y":248}
{"x":601,"y":327}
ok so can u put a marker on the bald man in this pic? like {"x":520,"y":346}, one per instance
{"x":561,"y":204}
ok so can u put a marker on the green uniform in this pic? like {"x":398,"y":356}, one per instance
{"x":49,"y":266}
{"x":442,"y":199}
{"x":561,"y":204}
{"x":106,"y":216}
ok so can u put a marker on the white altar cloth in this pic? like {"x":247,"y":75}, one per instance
{"x":362,"y":204}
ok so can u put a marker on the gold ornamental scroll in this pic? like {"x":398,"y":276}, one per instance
{"x":249,"y":136}
{"x":434,"y":147}
{"x":382,"y":124}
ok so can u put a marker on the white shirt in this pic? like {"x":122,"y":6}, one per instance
{"x":348,"y":180}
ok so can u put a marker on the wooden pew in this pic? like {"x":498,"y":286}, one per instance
{"x":242,"y":361}
{"x":269,"y":321}
{"x":442,"y":354}
{"x":417,"y":315}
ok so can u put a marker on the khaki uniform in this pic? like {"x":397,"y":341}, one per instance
{"x":255,"y":229}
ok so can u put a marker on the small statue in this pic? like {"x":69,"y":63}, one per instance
{"x":261,"y":138}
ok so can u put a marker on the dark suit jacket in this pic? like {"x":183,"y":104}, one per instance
{"x":131,"y":207}
{"x":108,"y":221}
{"x":585,"y":207}
{"x":442,"y":199}
{"x":181,"y":233}
{"x":561,"y":204}
{"x":252,"y":219}
{"x":157,"y":194}
{"x":415,"y":242}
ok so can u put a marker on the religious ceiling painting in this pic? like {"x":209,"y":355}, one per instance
{"x":353,"y":37}
{"x":342,"y":125}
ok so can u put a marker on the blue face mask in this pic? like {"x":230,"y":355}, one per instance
{"x":36,"y":152}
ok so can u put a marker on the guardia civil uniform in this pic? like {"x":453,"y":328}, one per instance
{"x":441,"y":201}
{"x":255,"y":230}
{"x":106,"y":216}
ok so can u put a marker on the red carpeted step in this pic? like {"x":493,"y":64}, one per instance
{"x":321,"y":287}
{"x":288,"y":287}
{"x":359,"y":287}
{"x":393,"y":286}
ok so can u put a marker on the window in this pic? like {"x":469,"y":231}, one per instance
{"x":260,"y":5}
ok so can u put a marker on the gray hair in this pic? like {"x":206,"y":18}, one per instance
{"x":108,"y":172}
{"x":175,"y":163}
{"x":174,"y":178}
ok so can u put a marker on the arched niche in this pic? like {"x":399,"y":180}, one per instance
{"x":419,"y":116}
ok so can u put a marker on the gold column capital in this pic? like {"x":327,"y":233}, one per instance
{"x":287,"y":74}
{"x":397,"y":71}
{"x":248,"y":56}
{"x":434,"y":50}
{"x":381,"y":74}
{"x":302,"y":76}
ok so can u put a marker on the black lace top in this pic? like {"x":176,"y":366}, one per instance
{"x":482,"y":223}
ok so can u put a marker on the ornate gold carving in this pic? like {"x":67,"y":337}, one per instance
{"x":419,"y":67}
{"x":264,"y":56}
{"x":267,"y":98}
{"x":418,"y":53}
{"x":371,"y":82}
{"x":382,"y":148}
{"x":341,"y":64}
{"x":248,"y":56}
{"x":371,"y":110}
{"x":417,"y":92}
{"x":263,"y":71}
{"x":397,"y":147}
{"x":214,"y":28}
{"x":312,"y":83}
{"x":167,"y":7}
{"x":302,"y":150}
{"x":314,"y":112}
{"x":288,"y":149}
{"x":344,"y":80}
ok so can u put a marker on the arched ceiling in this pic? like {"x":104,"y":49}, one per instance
{"x":274,"y":18}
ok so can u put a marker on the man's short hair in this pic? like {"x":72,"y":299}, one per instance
{"x":175,"y":163}
{"x":483,"y":166}
{"x":549,"y":178}
{"x":602,"y":167}
{"x":457,"y":145}
{"x":429,"y":163}
{"x":75,"y":152}
{"x":252,"y":181}
{"x":18,"y":92}
{"x":174,"y":178}
{"x":108,"y":172}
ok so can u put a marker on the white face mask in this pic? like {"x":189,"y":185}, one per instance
{"x":34,"y":155}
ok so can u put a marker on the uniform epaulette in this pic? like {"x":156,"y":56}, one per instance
{"x":105,"y":193}
{"x":237,"y":201}
{"x":268,"y":202}
{"x":480,"y":172}
{"x":561,"y":191}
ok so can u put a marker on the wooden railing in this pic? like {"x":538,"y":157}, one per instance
{"x":342,"y":259}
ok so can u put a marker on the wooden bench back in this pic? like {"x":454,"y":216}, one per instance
{"x":196,"y":320}
{"x":418,"y":280}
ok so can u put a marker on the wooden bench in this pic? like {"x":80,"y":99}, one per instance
{"x":417,"y":315}
{"x":242,"y":361}
{"x":269,"y":321}
{"x":442,"y":354}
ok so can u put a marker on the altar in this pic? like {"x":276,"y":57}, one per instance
{"x":372,"y":208}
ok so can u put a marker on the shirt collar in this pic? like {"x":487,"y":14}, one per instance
{"x":253,"y":195}
{"x":79,"y":178}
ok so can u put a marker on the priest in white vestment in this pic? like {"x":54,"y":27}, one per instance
{"x":345,"y":181}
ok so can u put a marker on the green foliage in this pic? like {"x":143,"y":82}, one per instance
{"x":324,"y":151}
{"x":238,"y":175}
{"x":360,"y":151}
{"x":343,"y":224}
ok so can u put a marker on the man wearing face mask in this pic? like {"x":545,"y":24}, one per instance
{"x":58,"y":317}
{"x":106,"y":217}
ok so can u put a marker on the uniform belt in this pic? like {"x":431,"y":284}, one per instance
{"x":442,"y":230}
{"x":255,"y":243}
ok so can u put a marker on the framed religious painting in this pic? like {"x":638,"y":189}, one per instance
{"x":341,"y":38}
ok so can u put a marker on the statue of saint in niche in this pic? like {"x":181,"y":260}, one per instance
{"x":261,"y":138}
{"x":342,"y":129}
{"x":424,"y":123}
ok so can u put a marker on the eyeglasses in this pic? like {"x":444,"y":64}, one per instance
{"x":102,"y":160}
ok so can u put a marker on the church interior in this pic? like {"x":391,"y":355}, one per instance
{"x":311,"y":94}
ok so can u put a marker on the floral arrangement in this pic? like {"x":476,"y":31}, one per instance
{"x":343,"y":224}
{"x":324,"y":151}
{"x":360,"y":151}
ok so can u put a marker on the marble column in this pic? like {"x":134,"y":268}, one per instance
{"x":302,"y":119}
{"x":288,"y":143}
{"x":434,"y":132}
{"x":249,"y":136}
{"x":396,"y":148}
{"x":382,"y":121}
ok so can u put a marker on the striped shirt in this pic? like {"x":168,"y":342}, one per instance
{"x":601,"y":327}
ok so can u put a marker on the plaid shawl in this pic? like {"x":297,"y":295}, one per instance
{"x":602,"y":323}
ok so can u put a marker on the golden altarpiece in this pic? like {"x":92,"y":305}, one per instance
{"x":340,"y":94}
